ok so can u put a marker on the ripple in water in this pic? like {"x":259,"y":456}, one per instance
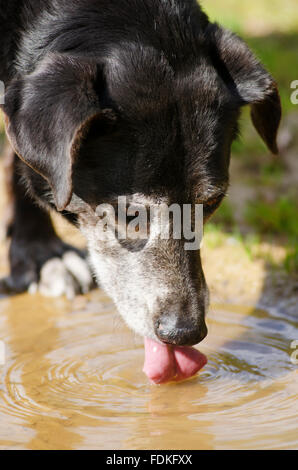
{"x":75,"y":381}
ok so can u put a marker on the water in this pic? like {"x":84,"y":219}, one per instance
{"x":73,"y":380}
{"x":73,"y":372}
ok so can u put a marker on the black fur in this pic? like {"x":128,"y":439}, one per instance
{"x":118,"y":97}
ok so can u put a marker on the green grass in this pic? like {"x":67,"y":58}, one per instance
{"x":224,"y":216}
{"x":276,"y":223}
{"x":291,"y":261}
{"x":278,"y":218}
{"x":279,"y":55}
{"x":255,"y":17}
{"x":279,"y":221}
{"x":271,"y":173}
{"x":270,"y":27}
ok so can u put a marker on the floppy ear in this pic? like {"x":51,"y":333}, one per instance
{"x":248,"y":80}
{"x":47,"y":114}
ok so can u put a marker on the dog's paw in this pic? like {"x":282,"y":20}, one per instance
{"x":53,"y":268}
{"x":69,"y":275}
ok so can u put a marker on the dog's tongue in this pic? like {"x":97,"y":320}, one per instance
{"x":165,"y":363}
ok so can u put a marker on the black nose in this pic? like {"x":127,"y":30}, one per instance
{"x":180,"y":331}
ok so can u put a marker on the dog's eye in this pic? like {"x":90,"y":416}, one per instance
{"x":212,"y":202}
{"x":211,"y":205}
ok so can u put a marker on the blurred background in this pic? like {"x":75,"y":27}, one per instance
{"x":262,"y":210}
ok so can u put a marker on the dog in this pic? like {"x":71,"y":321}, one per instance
{"x":134,"y":98}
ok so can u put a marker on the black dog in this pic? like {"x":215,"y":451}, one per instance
{"x":135,"y":98}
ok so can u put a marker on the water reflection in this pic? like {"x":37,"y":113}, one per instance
{"x":74,"y":380}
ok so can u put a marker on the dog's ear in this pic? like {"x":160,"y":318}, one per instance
{"x":47,"y":114}
{"x":249,"y":81}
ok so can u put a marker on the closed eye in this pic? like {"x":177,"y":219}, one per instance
{"x":211,"y":205}
{"x":212,"y":202}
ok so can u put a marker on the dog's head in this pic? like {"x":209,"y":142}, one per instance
{"x":157,"y":128}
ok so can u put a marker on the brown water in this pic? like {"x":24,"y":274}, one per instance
{"x":73,"y":373}
{"x":73,"y":380}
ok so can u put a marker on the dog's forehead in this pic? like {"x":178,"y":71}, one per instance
{"x":139,"y":79}
{"x":143,"y":80}
{"x":173,"y":120}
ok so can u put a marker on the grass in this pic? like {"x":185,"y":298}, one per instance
{"x":278,"y":218}
{"x":279,"y":55}
{"x":224,"y":217}
{"x":270,"y":27}
{"x":274,"y":223}
{"x":277,"y":221}
{"x":291,"y":260}
{"x":271,"y":173}
{"x":254,"y":17}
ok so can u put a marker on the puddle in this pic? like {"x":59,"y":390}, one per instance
{"x":73,"y":373}
{"x":73,"y":380}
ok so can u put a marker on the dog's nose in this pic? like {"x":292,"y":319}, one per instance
{"x":181,"y":331}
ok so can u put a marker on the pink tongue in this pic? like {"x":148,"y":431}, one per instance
{"x":165,"y":363}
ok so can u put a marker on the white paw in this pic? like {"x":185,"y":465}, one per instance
{"x":69,"y":276}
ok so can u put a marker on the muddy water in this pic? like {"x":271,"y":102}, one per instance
{"x":72,"y":377}
{"x":73,"y":380}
